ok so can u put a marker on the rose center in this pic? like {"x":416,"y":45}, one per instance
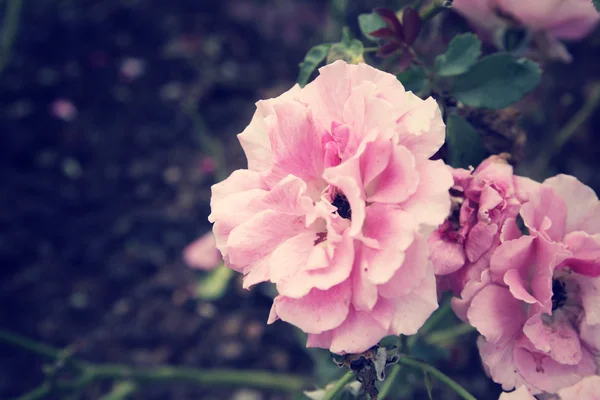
{"x":343,"y":206}
{"x":559,"y":294}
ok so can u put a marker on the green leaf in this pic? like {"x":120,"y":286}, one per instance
{"x":428,"y":384}
{"x":597,"y":4}
{"x":463,"y":52}
{"x":369,"y":23}
{"x":213,"y":286}
{"x":349,"y":50}
{"x":465,"y":147}
{"x":497,"y":81}
{"x":313,"y":58}
{"x":414,"y":78}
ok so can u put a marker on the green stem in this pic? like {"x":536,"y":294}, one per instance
{"x":389,"y":381}
{"x":370,"y":49}
{"x":30,"y":345}
{"x":11,"y":26}
{"x":462,"y":392}
{"x":202,"y":377}
{"x":339,"y":386}
{"x":446,"y":336}
{"x":38,"y":393}
{"x":209,"y":145}
{"x":564,"y":135}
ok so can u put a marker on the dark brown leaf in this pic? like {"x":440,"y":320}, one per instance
{"x":388,"y":49}
{"x":405,"y":60}
{"x":383,"y":33}
{"x":411,"y":25}
{"x":390,"y":18}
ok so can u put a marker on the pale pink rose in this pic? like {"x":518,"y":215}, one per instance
{"x":518,"y":394}
{"x":537,"y":307}
{"x":202,"y":253}
{"x":334,"y":206}
{"x":562,"y":19}
{"x":485,"y":204}
{"x":586,"y":389}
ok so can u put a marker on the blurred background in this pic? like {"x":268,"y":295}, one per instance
{"x":116,"y":117}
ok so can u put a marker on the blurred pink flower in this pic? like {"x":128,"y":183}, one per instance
{"x":202,"y":253}
{"x":562,"y":19}
{"x":332,"y":207}
{"x":537,"y":305}
{"x":132,"y":68}
{"x":208,"y":165}
{"x":485,"y":205}
{"x":63,"y":109}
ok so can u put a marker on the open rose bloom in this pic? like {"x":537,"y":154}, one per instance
{"x":563,"y":19}
{"x":335,"y":206}
{"x":484,"y":204}
{"x":538,"y":305}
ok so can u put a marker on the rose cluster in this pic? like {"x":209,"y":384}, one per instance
{"x":343,"y":209}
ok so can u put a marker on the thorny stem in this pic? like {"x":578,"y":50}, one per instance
{"x":11,"y":26}
{"x":339,"y":386}
{"x":563,"y":136}
{"x":203,"y":377}
{"x":458,"y":389}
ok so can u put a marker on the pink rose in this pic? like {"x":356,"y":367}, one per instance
{"x":202,"y":253}
{"x":537,"y":305}
{"x":334,"y":206}
{"x":562,"y":19}
{"x":484,"y":200}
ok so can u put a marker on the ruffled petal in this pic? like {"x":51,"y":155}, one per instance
{"x":414,"y":308}
{"x":412,"y":273}
{"x":588,"y":388}
{"x":431,"y":202}
{"x":394,"y":231}
{"x":496,"y":314}
{"x":398,"y":181}
{"x":585,"y":259}
{"x":549,"y":375}
{"x":580,"y":200}
{"x":556,"y":338}
{"x":318,"y":311}
{"x":546,"y":212}
{"x":421,"y":128}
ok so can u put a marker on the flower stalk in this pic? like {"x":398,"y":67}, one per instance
{"x":89,"y":373}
